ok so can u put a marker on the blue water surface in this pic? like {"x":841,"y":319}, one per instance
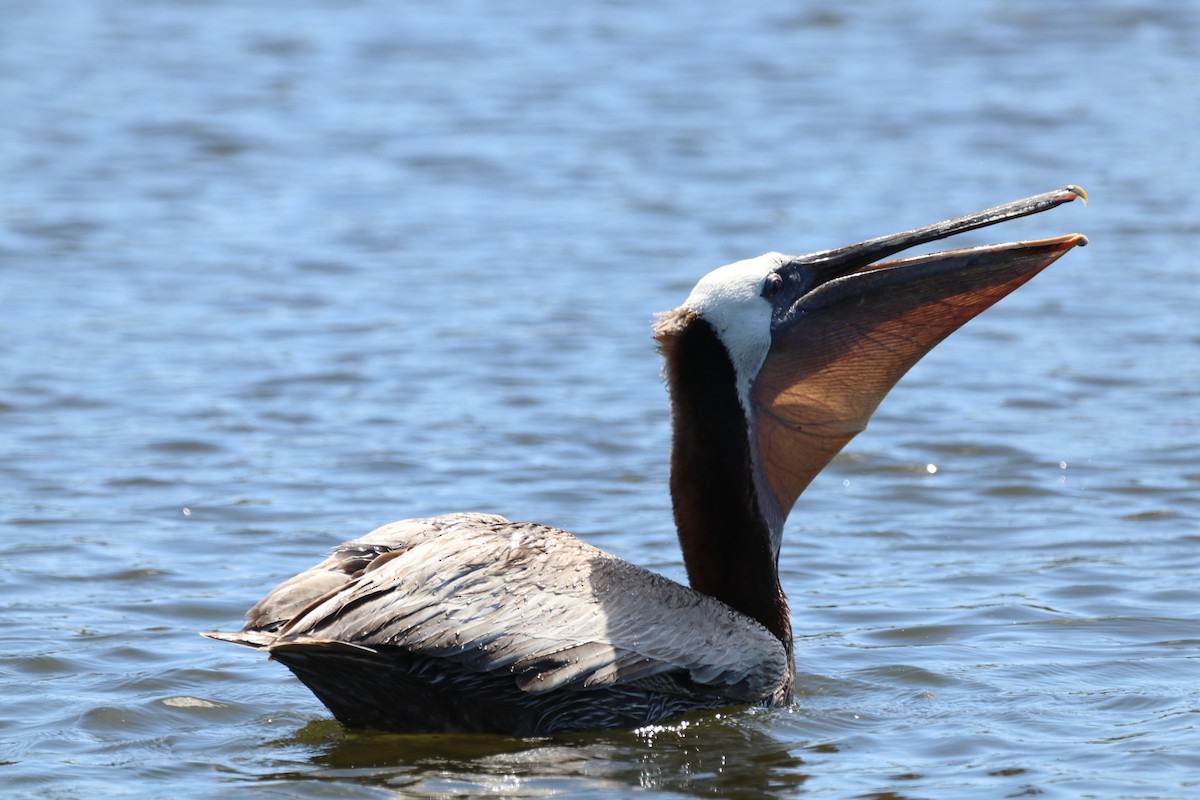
{"x":275,"y":274}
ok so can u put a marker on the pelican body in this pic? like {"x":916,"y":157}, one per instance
{"x":470,"y":622}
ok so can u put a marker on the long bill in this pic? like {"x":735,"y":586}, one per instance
{"x":844,"y":343}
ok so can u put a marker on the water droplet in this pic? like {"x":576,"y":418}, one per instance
{"x":931,"y":468}
{"x":187,"y":512}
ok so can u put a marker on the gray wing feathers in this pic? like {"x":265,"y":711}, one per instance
{"x":526,"y":599}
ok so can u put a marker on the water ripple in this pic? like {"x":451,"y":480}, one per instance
{"x":266,"y":289}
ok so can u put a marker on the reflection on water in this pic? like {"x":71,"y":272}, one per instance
{"x":270,"y":281}
{"x":730,"y":755}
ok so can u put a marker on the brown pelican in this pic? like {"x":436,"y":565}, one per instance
{"x":469,"y":622}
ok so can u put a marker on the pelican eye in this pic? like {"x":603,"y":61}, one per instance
{"x":772,"y":285}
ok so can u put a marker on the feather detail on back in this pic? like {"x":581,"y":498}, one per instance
{"x":529,"y":605}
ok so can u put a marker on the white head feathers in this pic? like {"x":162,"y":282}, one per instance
{"x":731,"y":300}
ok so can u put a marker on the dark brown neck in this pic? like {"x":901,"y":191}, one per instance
{"x":725,"y":540}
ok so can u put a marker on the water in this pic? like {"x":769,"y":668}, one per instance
{"x":273,"y":275}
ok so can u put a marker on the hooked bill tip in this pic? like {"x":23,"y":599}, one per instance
{"x":1077,"y":191}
